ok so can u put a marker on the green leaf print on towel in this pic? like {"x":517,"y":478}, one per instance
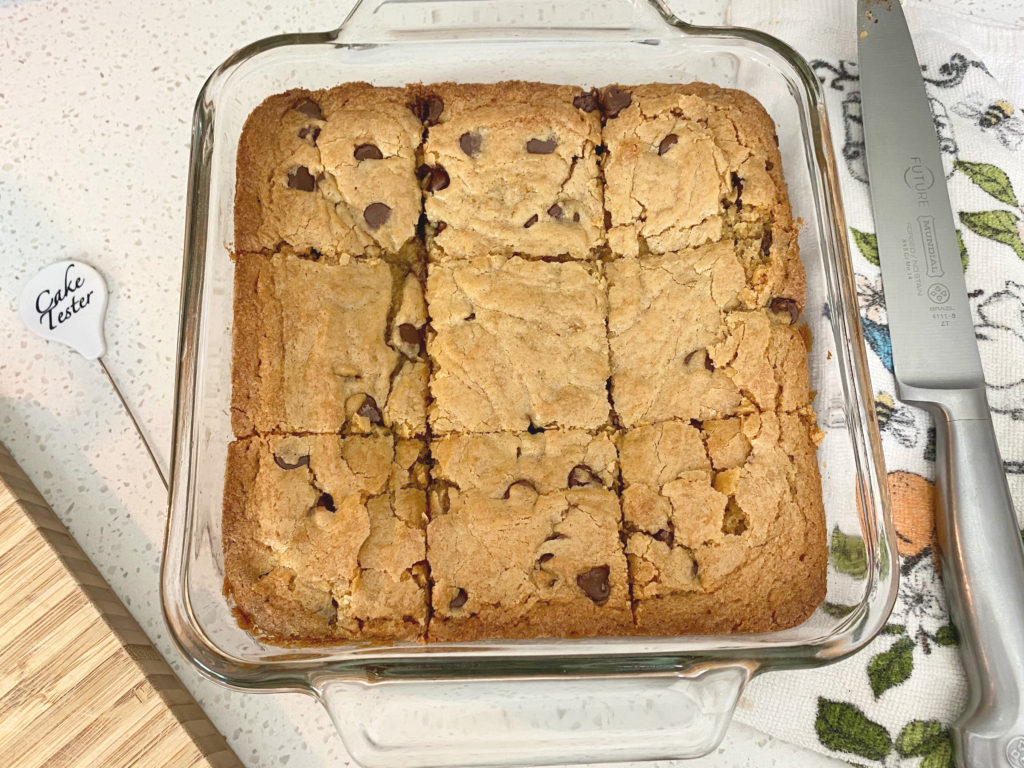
{"x":991,"y":179}
{"x":842,"y":727}
{"x":1000,"y":226}
{"x":848,"y":554}
{"x":891,"y":667}
{"x":867,"y":244}
{"x":928,"y":739}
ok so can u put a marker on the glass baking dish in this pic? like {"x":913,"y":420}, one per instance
{"x":537,"y":701}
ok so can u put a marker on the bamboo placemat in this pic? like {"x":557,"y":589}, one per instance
{"x":80,"y":683}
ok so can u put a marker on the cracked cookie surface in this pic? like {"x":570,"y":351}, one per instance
{"x":511,"y":169}
{"x":332,"y":171}
{"x":327,"y":347}
{"x":324,"y":536}
{"x":687,"y":165}
{"x":515,"y":344}
{"x":725,"y":523}
{"x":683,"y":346}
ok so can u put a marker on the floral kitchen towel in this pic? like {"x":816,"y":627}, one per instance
{"x":892,"y":703}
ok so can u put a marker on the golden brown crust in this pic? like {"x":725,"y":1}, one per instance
{"x":324,"y":537}
{"x":689,"y":164}
{"x":319,"y":347}
{"x":517,"y":344}
{"x":303,"y":182}
{"x":726,"y":524}
{"x":522,"y":169}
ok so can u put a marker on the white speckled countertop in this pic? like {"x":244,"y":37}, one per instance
{"x":96,"y":104}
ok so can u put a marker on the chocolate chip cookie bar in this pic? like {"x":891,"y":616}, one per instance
{"x":523,"y":539}
{"x":324,"y":536}
{"x":687,"y":165}
{"x":329,"y":171}
{"x":518,"y":360}
{"x":517,"y":344}
{"x":511,"y":169}
{"x":327,"y":347}
{"x":682,"y":346}
{"x":725,"y":523}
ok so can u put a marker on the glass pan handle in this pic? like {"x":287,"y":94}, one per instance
{"x":384,"y":20}
{"x":431,"y":724}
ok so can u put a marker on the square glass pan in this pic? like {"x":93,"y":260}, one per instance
{"x":536,"y":701}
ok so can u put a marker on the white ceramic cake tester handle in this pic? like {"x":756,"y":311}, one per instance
{"x":67,"y":302}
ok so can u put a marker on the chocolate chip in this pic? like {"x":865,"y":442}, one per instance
{"x":667,"y":143}
{"x":314,"y":255}
{"x":523,"y":483}
{"x":533,"y":429}
{"x":541,"y":146}
{"x":377,"y":215}
{"x":310,"y":131}
{"x":582,"y":475}
{"x":369,"y":410}
{"x":689,"y":357}
{"x":531,"y":221}
{"x":614,"y":100}
{"x":708,"y":363}
{"x":595,"y":583}
{"x":576,"y":217}
{"x":423,"y":170}
{"x":327,"y":502}
{"x":470,"y":316}
{"x":766,"y":244}
{"x":600,"y":149}
{"x":588,"y":101}
{"x":769,"y":165}
{"x":737,"y":184}
{"x":300,"y":178}
{"x":302,"y":461}
{"x":309,"y":108}
{"x":665,"y":536}
{"x":607,"y":219}
{"x":410,"y":334}
{"x":470,"y":143}
{"x":695,"y":423}
{"x":545,"y":557}
{"x":428,"y":109}
{"x":459,"y":600}
{"x":440,"y":227}
{"x":555,"y":211}
{"x":438,"y":179}
{"x":368,"y":152}
{"x":787,"y":306}
{"x":433,"y":108}
{"x":694,"y":568}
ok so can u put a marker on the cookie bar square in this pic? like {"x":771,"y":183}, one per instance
{"x":689,"y":164}
{"x":511,"y":168}
{"x":682,"y":346}
{"x":329,"y":171}
{"x":327,"y":347}
{"x":324,"y":536}
{"x":524,"y":539}
{"x":517,"y":344}
{"x":726,"y":529}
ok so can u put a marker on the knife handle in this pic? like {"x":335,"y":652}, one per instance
{"x":983,"y":566}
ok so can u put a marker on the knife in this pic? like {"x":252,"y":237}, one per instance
{"x":938,"y":368}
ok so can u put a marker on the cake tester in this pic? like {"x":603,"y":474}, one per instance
{"x":67,"y":302}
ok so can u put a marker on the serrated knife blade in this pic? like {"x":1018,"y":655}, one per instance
{"x":937,"y":367}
